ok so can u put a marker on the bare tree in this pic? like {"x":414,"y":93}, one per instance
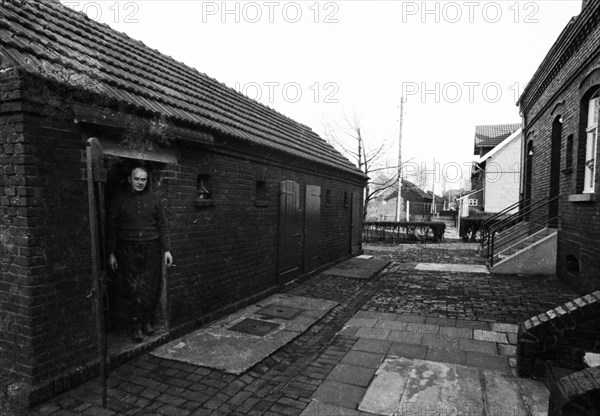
{"x":369,"y":160}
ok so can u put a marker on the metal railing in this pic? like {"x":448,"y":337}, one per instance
{"x":488,"y":222}
{"x":541,"y":219}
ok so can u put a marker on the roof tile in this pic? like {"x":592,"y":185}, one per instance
{"x":48,"y":34}
{"x":493,"y":134}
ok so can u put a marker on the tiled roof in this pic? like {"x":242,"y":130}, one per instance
{"x":50,"y":40}
{"x":494,"y":134}
{"x":408,"y":186}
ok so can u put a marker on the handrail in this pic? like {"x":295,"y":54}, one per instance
{"x":485,"y":223}
{"x":499,"y":214}
{"x":518,"y":235}
{"x":516,"y":218}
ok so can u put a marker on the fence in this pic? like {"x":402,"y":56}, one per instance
{"x":403,"y":232}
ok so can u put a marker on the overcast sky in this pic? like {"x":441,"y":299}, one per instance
{"x":457,"y":63}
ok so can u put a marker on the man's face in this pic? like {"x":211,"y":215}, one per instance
{"x":138,"y":180}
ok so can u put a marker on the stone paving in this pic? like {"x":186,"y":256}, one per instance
{"x":458,"y":319}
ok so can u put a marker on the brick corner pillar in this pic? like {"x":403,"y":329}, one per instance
{"x":560,"y":336}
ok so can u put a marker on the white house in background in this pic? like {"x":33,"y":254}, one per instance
{"x":500,"y":170}
{"x":470,"y":202}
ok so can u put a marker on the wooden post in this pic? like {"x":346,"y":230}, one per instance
{"x":96,"y":177}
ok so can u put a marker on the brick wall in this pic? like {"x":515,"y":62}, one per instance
{"x":15,"y":362}
{"x":225,"y":251}
{"x":228,"y":250}
{"x":559,"y":337}
{"x":579,"y":226}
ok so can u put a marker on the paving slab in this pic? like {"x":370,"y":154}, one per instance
{"x":502,"y":393}
{"x":358,"y":268}
{"x":403,"y":385}
{"x":318,"y":408}
{"x":535,"y":395}
{"x":372,"y":345}
{"x":446,"y":355}
{"x":489,"y":361}
{"x":453,"y":268}
{"x":492,"y":336}
{"x":363,"y":359}
{"x":351,"y":374}
{"x":339,"y":394}
{"x":222,"y":347}
{"x":407,"y":350}
{"x":485,"y":347}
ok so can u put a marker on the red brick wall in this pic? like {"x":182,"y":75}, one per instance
{"x":579,"y":227}
{"x":14,"y":320}
{"x":223,"y":253}
{"x":227,"y":251}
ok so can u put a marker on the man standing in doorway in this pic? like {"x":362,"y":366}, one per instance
{"x":138,"y":242}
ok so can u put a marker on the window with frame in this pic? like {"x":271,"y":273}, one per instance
{"x":472,"y":202}
{"x":589,"y":177}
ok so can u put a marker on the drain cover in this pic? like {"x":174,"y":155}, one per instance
{"x":279,"y":311}
{"x":254,"y":327}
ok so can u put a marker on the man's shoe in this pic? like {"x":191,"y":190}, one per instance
{"x":136,"y":335}
{"x":147,"y":329}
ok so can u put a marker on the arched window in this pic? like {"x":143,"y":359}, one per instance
{"x":589,"y":177}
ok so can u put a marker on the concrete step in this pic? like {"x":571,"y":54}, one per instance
{"x":534,"y":257}
{"x":523,"y":243}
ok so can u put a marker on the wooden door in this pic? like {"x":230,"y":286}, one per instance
{"x":290,"y":232}
{"x":356,"y":224}
{"x":312,"y":227}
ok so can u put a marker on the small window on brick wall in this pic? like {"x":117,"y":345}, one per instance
{"x":261,"y":194}
{"x":569,"y":155}
{"x":328,"y":197}
{"x":203,"y":192}
{"x":346,"y":202}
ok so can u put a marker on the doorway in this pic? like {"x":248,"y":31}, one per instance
{"x":118,"y":169}
{"x":555,"y":172}
{"x":528,"y":179}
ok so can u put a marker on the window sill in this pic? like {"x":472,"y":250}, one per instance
{"x":567,"y":171}
{"x":261,"y":203}
{"x":201,"y":202}
{"x":590,"y":197}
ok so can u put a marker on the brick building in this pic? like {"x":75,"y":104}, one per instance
{"x":560,"y":153}
{"x":254,"y":199}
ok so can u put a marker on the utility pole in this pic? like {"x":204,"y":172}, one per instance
{"x":433,"y":190}
{"x":399,"y":199}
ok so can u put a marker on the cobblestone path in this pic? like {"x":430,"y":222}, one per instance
{"x":470,"y":296}
{"x":284,"y":383}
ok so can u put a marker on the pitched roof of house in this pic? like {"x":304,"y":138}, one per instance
{"x":408,"y":186}
{"x":49,"y":40}
{"x":493,"y":134}
{"x":500,"y":146}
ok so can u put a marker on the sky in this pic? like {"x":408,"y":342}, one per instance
{"x":326,"y":64}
